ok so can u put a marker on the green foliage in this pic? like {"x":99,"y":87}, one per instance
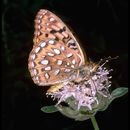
{"x":49,"y":109}
{"x":119,"y":92}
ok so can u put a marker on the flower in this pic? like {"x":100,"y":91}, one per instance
{"x":86,"y":94}
{"x":89,"y":93}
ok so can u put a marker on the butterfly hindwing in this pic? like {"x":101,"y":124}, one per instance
{"x":56,"y":53}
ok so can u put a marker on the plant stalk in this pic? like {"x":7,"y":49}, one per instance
{"x":94,"y":122}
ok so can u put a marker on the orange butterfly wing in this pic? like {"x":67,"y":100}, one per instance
{"x":56,"y":54}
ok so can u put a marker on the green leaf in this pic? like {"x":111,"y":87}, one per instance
{"x":118,"y":92}
{"x":49,"y":109}
{"x":75,"y":114}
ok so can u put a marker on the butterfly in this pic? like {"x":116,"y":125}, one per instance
{"x":57,"y":56}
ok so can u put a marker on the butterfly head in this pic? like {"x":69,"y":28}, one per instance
{"x":90,"y":69}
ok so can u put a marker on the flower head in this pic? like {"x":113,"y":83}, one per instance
{"x":85,"y":92}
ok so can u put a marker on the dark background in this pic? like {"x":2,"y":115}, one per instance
{"x":101,"y":26}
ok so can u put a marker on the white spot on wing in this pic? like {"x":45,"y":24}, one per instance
{"x":62,"y":48}
{"x":48,"y":29}
{"x":43,"y":56}
{"x":44,"y":62}
{"x":40,"y":16}
{"x":44,"y":12}
{"x":50,"y":54}
{"x":67,"y":70}
{"x":33,"y":64}
{"x":43,"y":44}
{"x":39,"y":27}
{"x":56,"y":51}
{"x":38,"y":21}
{"x":48,"y":68}
{"x":59,"y":62}
{"x":37,"y":33}
{"x":52,"y":19}
{"x":51,"y":41}
{"x":71,"y":41}
{"x":35,"y":71}
{"x":68,"y":63}
{"x":73,"y":61}
{"x":37,"y":78}
{"x":37,"y":49}
{"x":72,"y":66}
{"x":33,"y":56}
{"x":57,"y":72}
{"x":47,"y":76}
{"x":69,"y":55}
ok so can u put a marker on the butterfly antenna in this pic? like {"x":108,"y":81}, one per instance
{"x":105,"y":60}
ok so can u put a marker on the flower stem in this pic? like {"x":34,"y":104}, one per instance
{"x":94,"y":122}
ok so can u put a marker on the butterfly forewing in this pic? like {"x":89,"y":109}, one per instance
{"x":56,"y":53}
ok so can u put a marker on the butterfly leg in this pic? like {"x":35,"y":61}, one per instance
{"x":55,"y":88}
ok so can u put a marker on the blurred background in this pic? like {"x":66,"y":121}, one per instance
{"x":101,"y":26}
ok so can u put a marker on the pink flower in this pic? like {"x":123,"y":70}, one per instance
{"x":93,"y":82}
